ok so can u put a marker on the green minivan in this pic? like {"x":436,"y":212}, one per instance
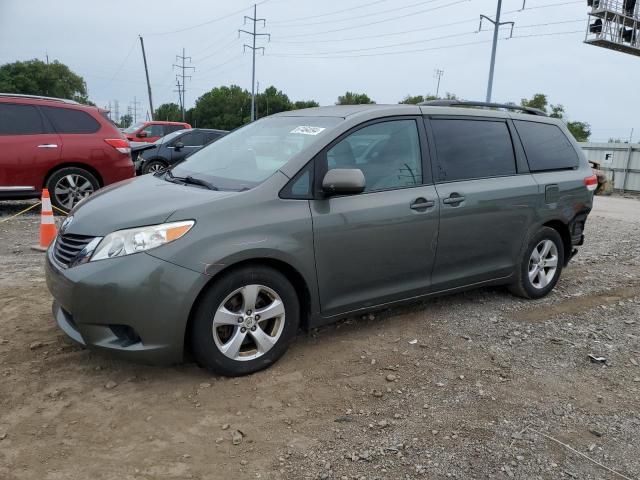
{"x":304,"y":217}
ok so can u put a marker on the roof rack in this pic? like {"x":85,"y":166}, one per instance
{"x":39,"y":97}
{"x":460,"y":103}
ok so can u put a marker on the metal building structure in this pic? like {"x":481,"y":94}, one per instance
{"x":619,"y":161}
{"x":614,"y":24}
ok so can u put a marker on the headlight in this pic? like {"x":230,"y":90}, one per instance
{"x":134,"y":240}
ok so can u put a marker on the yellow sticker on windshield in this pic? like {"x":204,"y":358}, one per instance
{"x":308,"y":130}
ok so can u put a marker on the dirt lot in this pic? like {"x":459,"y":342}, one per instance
{"x":465,"y":386}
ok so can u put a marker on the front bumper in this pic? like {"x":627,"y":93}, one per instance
{"x":135,"y":306}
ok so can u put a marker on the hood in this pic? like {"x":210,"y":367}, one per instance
{"x":145,"y":200}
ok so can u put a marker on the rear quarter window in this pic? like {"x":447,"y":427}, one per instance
{"x":67,"y":120}
{"x":20,"y":120}
{"x":546,"y":146}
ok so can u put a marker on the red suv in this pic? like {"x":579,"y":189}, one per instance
{"x":152,"y":131}
{"x":69,"y":148}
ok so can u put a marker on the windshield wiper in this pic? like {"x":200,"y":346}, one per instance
{"x":198,"y":181}
{"x":189,"y":180}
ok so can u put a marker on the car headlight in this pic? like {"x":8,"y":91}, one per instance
{"x":140,"y":239}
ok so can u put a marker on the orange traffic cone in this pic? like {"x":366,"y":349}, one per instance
{"x":48,"y":228}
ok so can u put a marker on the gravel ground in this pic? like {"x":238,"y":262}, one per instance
{"x":474,"y":385}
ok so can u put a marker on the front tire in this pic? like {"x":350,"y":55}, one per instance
{"x":153,"y":166}
{"x":245,"y":321}
{"x":540,"y":266}
{"x":69,"y":185}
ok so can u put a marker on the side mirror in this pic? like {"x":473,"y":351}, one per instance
{"x":141,"y":134}
{"x":343,"y":181}
{"x":178,"y":146}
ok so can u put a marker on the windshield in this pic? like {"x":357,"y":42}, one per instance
{"x":169,"y":136}
{"x":133,"y":128}
{"x":248,"y":156}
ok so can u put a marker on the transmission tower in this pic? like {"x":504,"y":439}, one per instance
{"x":182,"y":66}
{"x":135,"y":104}
{"x":253,"y":49}
{"x":496,"y":27}
{"x":116,"y":108}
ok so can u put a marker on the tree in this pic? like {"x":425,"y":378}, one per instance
{"x":351,"y":98}
{"x":415,"y":99}
{"x":272,"y":101}
{"x":168,"y":112}
{"x":305,"y":104}
{"x":580,"y":130}
{"x":126,"y":121}
{"x":225,"y":108}
{"x":35,"y":77}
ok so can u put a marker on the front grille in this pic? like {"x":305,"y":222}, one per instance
{"x":68,"y":247}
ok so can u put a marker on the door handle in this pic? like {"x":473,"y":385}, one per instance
{"x":48,"y":145}
{"x":421,"y":204}
{"x":454,"y":199}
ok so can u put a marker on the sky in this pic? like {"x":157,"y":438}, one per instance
{"x":318,"y":50}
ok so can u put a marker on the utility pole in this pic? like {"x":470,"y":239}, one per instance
{"x":116,"y":108}
{"x":146,"y":71}
{"x":180,"y":91}
{"x":496,"y":27}
{"x":438,"y":74}
{"x":253,"y":49}
{"x":183,"y":67}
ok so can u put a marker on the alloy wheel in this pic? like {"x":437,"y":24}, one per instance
{"x":156,"y":167}
{"x":248,"y":322}
{"x":72,"y":188}
{"x":543,"y":264}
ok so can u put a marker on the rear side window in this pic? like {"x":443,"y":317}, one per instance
{"x":154,"y":130}
{"x":192,"y":139}
{"x":172,"y":128}
{"x":66,"y":120}
{"x":209,"y":137}
{"x":472,"y":149}
{"x":546,"y":146}
{"x":20,"y":120}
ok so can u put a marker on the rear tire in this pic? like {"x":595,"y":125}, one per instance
{"x":245,"y":321}
{"x":540,"y":265}
{"x":69,"y":185}
{"x":153,"y":166}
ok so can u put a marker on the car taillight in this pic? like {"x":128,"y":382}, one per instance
{"x":119,"y":144}
{"x":591,"y":182}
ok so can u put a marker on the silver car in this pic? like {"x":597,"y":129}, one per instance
{"x":307,"y":216}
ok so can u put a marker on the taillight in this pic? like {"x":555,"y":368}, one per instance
{"x":120,"y":144}
{"x":591,"y":182}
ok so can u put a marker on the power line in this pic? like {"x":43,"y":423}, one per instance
{"x":208,"y":22}
{"x":362,"y":5}
{"x":443,"y":37}
{"x":372,"y":14}
{"x":444,"y":47}
{"x":377,"y":35}
{"x":376,"y":22}
{"x":559,"y":4}
{"x":255,"y":20}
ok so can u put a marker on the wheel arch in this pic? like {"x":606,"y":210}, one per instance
{"x":563,"y":229}
{"x":297,"y":280}
{"x":84,"y":166}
